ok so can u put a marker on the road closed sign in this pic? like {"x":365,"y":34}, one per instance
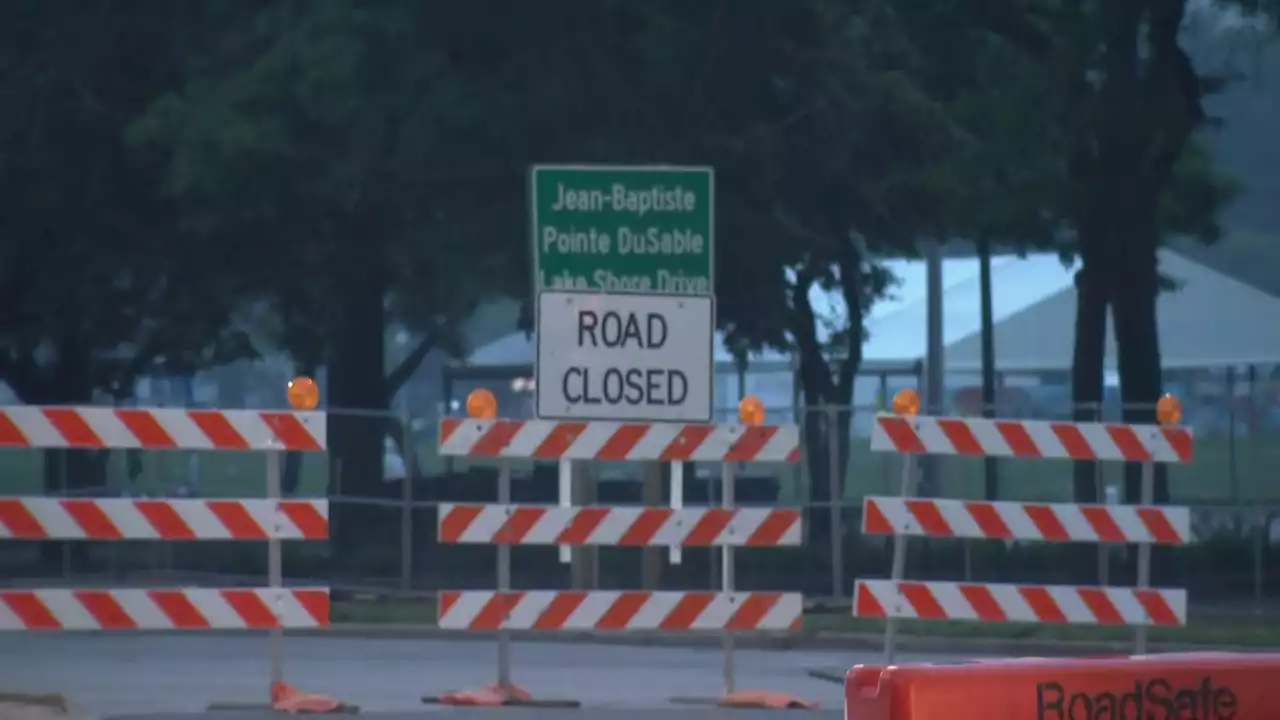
{"x":624,"y":356}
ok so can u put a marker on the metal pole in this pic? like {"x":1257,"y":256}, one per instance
{"x":899,"y":556}
{"x":64,"y":460}
{"x":275,"y":567}
{"x":504,"y":580}
{"x":933,"y":401}
{"x":410,"y":460}
{"x":565,"y":499}
{"x":882,"y":404}
{"x":677,"y":503}
{"x":726,"y":573}
{"x":1105,"y":550}
{"x":1144,"y":553}
{"x":1233,"y":469}
{"x":1259,"y":547}
{"x":835,"y":490}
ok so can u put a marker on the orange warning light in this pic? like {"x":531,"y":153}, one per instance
{"x":1168,"y":410}
{"x":482,"y":405}
{"x":303,"y":393}
{"x":751,"y":410}
{"x":906,"y":402}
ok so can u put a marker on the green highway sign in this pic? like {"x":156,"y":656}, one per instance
{"x":641,"y":229}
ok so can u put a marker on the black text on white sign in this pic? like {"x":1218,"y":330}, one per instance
{"x":624,"y":357}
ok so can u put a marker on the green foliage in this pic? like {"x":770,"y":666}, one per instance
{"x":96,"y":279}
{"x":1197,"y":196}
{"x":316,"y":143}
{"x":351,"y":162}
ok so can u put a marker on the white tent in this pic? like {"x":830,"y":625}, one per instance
{"x":1210,"y":320}
{"x":897,"y":321}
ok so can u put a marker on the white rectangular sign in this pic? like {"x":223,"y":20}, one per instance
{"x":625,"y":357}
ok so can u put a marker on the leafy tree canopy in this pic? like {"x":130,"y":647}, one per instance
{"x":96,"y":278}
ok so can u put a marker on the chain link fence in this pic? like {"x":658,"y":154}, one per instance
{"x":390,"y":546}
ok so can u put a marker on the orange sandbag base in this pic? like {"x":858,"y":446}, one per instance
{"x":754,"y":699}
{"x":496,"y":695}
{"x":285,"y":698}
{"x":764,"y":700}
{"x":1176,"y":686}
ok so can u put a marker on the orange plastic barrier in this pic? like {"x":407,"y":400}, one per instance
{"x":1178,"y":686}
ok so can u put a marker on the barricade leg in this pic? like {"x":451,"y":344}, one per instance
{"x":676,"y":554}
{"x":1144,"y":554}
{"x":898,"y":571}
{"x":564,"y":484}
{"x":275,"y":569}
{"x":503,"y":692}
{"x":283,"y":697}
{"x":504,"y":584}
{"x":726,"y":576}
{"x":732,"y":697}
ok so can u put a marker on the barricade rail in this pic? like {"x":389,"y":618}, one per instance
{"x":272,"y":607}
{"x":619,"y":611}
{"x":176,"y":519}
{"x":906,"y":516}
{"x":618,"y":526}
{"x":97,"y":428}
{"x":1027,"y":521}
{"x":505,"y":524}
{"x":618,"y":441}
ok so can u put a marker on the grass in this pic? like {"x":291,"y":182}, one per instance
{"x":1219,"y":474}
{"x":1241,"y":631}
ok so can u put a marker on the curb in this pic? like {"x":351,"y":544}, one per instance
{"x":762,"y":641}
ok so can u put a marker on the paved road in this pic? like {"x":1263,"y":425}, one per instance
{"x":108,"y":674}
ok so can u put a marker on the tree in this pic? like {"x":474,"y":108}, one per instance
{"x":1004,"y":185}
{"x":97,"y":283}
{"x":840,"y":140}
{"x":841,"y":132}
{"x":1133,"y":102}
{"x":330,"y":150}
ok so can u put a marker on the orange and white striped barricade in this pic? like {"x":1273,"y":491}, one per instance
{"x":273,"y":607}
{"x":504,"y":524}
{"x":1144,"y":525}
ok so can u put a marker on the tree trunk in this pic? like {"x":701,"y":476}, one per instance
{"x":991,"y":470}
{"x":358,"y":411}
{"x":1136,"y":293}
{"x":69,"y":381}
{"x":1087,"y":365}
{"x":818,"y":431}
{"x":828,"y":396}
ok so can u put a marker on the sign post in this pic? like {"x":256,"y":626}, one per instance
{"x":624,"y":273}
